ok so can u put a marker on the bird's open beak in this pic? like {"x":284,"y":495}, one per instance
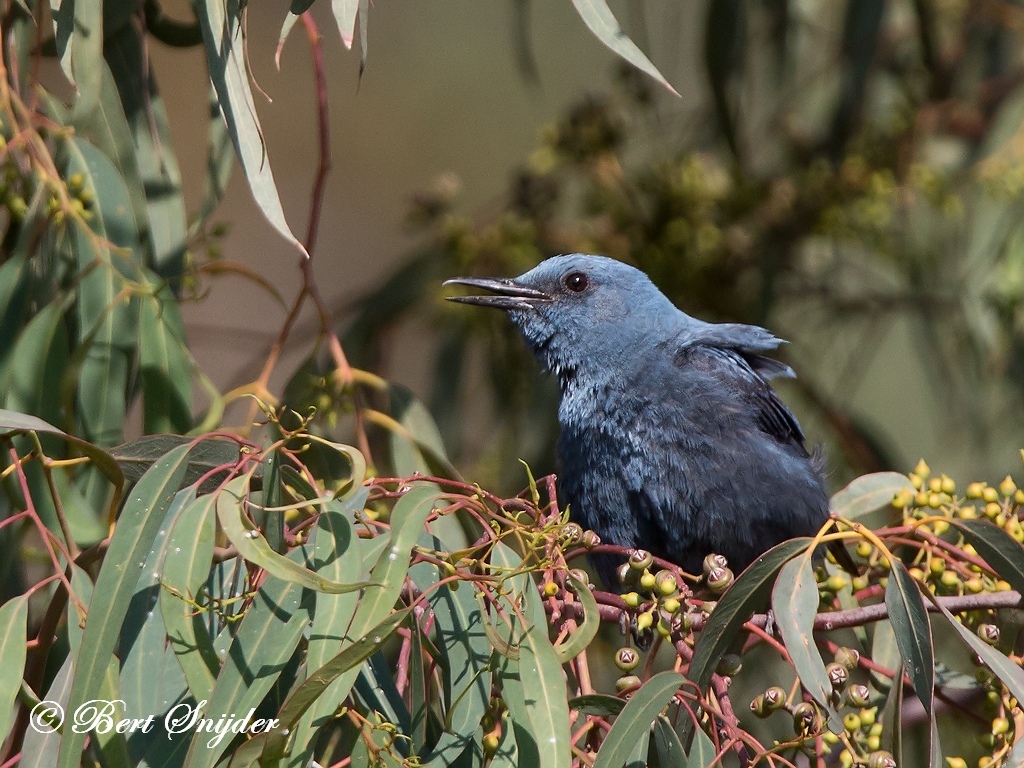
{"x":508,"y":294}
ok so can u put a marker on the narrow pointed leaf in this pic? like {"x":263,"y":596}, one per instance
{"x":749,"y":594}
{"x":14,"y":620}
{"x":546,"y":702}
{"x":913,"y":633}
{"x":185,"y":569}
{"x":599,"y":19}
{"x":633,"y":724}
{"x":345,"y":12}
{"x":997,"y":547}
{"x":795,"y":602}
{"x":1008,"y":672}
{"x":223,"y":34}
{"x":137,"y":526}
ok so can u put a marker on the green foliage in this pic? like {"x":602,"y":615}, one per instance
{"x":376,"y":628}
{"x":318,"y":602}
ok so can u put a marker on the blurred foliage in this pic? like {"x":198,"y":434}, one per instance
{"x":836,"y":174}
{"x":366,"y":605}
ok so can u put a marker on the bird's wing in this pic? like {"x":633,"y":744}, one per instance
{"x":729,"y":353}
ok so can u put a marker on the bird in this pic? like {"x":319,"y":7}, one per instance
{"x":672,"y":439}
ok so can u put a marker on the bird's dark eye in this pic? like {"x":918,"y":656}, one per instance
{"x":577,"y":282}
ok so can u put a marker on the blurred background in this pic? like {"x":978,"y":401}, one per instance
{"x":848,"y":175}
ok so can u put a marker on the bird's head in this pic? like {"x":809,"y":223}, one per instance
{"x":578,"y":310}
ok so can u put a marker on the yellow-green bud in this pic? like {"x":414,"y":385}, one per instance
{"x":645,"y":621}
{"x":665,"y":581}
{"x":968,"y":512}
{"x":671,"y":605}
{"x":1007,"y":487}
{"x":937,"y":565}
{"x":989,"y":494}
{"x":864,"y":549}
{"x":1000,"y":726}
{"x":632,"y":599}
{"x":922,"y":470}
{"x":852,"y":722}
{"x":867,"y":716}
{"x":647,"y":580}
{"x":974,"y":490}
{"x":837,"y":581}
{"x":550,"y":589}
{"x":948,"y":485}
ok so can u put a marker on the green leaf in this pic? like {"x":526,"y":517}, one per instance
{"x":702,"y":751}
{"x":164,"y":366}
{"x":580,"y":640}
{"x":133,"y":537}
{"x":1011,"y":675}
{"x":220,"y":162}
{"x":795,"y":602}
{"x":252,"y":545}
{"x":417,"y":447}
{"x":107,"y":334}
{"x":78,"y":29}
{"x":868,"y":493}
{"x":602,"y":23}
{"x":892,"y":712}
{"x":266,"y":639}
{"x":208,"y":454}
{"x":634,"y":722}
{"x":913,"y":633}
{"x":11,"y":421}
{"x":13,"y":650}
{"x":545,"y":699}
{"x":353,"y":654}
{"x":39,"y":749}
{"x":151,"y":679}
{"x":465,"y":656}
{"x":37,"y":362}
{"x":668,"y":749}
{"x":224,"y":37}
{"x":997,"y":547}
{"x":185,"y":569}
{"x":748,"y":595}
{"x":336,"y":556}
{"x":162,"y":203}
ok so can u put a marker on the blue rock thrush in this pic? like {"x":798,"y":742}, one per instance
{"x":671,"y":440}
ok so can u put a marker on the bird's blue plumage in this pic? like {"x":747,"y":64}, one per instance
{"x":671,"y":440}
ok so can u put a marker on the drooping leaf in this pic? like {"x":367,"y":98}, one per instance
{"x":891,"y":716}
{"x":133,"y":537}
{"x":220,"y":161}
{"x":78,"y":30}
{"x":748,"y":594}
{"x":795,"y":603}
{"x":336,"y":556}
{"x":184,"y":571}
{"x":1007,"y":671}
{"x":164,"y":366}
{"x":868,"y":493}
{"x":668,"y":748}
{"x":633,"y":724}
{"x":544,"y":691}
{"x":600,"y":20}
{"x":151,"y":680}
{"x":913,"y":632}
{"x":13,"y":650}
{"x":465,"y":656}
{"x":997,"y":547}
{"x":223,"y":34}
{"x":345,"y":12}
